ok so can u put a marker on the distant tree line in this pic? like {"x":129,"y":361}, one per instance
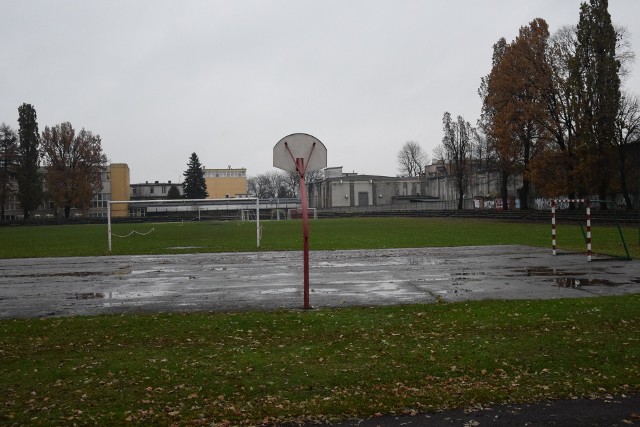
{"x":553,"y":113}
{"x":73,"y":163}
{"x":278,"y":184}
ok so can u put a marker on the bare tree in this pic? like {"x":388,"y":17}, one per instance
{"x":292,"y":181}
{"x":274,"y":184}
{"x":411,"y":159}
{"x":624,"y":52}
{"x":258,"y":186}
{"x":439,"y":154}
{"x":457,"y":143}
{"x":627,"y":132}
{"x":8,"y":162}
{"x":278,"y":185}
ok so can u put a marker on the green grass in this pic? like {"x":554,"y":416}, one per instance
{"x":249,"y":368}
{"x":330,"y":234}
{"x":245,"y":368}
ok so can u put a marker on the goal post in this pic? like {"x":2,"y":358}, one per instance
{"x":183,"y":206}
{"x":587,"y":204}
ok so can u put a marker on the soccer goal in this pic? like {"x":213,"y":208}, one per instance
{"x":587,"y":205}
{"x":180,"y":210}
{"x":296,"y":213}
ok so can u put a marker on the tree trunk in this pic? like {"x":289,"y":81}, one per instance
{"x":572,"y":205}
{"x":602,"y":195}
{"x":524,"y":194}
{"x":67,"y":211}
{"x":603,"y":173}
{"x":460,"y":184}
{"x":504,"y":189}
{"x":623,"y":180}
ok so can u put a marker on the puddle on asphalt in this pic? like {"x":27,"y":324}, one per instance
{"x":279,"y":291}
{"x":341,"y":264}
{"x":420,"y":261}
{"x":120,"y":272}
{"x":147,"y":294}
{"x":546,"y":271}
{"x":567,"y":279}
{"x":64,"y":274}
{"x":87,"y":295}
{"x":572,"y":282}
{"x":376,"y":262}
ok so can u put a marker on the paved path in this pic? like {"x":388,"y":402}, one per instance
{"x":606,"y":412}
{"x":271,"y":280}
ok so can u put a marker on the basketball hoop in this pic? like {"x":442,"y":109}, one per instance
{"x":301,"y":153}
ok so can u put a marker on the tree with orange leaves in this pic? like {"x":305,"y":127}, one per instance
{"x":514,"y":102}
{"x":74,"y":165}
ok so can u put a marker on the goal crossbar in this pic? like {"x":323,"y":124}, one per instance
{"x":229,"y":204}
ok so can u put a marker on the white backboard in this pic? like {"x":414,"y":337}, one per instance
{"x":299,"y":146}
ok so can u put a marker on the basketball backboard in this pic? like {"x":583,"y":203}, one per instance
{"x":299,"y":146}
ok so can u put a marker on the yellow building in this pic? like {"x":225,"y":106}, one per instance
{"x":226,"y":183}
{"x":120,"y":182}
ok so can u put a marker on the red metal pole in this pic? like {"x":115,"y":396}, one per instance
{"x":305,"y":230}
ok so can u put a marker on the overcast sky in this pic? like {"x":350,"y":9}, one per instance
{"x":158,"y":80}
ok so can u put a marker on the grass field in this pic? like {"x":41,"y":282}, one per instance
{"x":270,"y":367}
{"x":249,"y":368}
{"x":328,"y":234}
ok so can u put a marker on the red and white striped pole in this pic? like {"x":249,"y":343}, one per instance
{"x":553,"y":226}
{"x":588,"y":204}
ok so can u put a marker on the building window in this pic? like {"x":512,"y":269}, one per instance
{"x":13,"y":204}
{"x":164,"y":190}
{"x":151,"y":190}
{"x":137,"y":212}
{"x":100,"y":200}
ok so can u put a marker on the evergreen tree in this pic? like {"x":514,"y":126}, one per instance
{"x":27,"y":176}
{"x":195,"y":186}
{"x":173,"y":193}
{"x":8,"y":160}
{"x":595,"y":90}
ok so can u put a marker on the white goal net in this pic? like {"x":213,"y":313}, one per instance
{"x":180,"y":210}
{"x":296,"y":213}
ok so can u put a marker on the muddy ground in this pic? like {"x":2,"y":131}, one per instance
{"x":273,"y":280}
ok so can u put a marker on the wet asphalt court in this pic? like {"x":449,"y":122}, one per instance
{"x":219,"y":282}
